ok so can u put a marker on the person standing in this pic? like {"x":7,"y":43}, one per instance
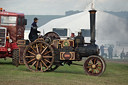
{"x":102,"y":50}
{"x":33,"y":33}
{"x":126,"y":56}
{"x":110,"y":52}
{"x":122,"y":54}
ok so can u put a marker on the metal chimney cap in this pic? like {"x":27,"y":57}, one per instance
{"x":92,"y":10}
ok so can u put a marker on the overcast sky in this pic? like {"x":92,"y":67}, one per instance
{"x":58,"y":7}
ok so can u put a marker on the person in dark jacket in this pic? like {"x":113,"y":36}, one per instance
{"x":110,"y":52}
{"x":122,"y":54}
{"x":33,"y":33}
{"x":102,"y":50}
{"x":79,"y":40}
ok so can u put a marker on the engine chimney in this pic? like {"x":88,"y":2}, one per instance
{"x":92,"y":26}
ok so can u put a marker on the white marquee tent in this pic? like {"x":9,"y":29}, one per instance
{"x":107,"y":26}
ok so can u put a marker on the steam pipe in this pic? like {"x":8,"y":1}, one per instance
{"x":92,"y":26}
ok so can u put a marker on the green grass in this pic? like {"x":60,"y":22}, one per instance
{"x":115,"y":74}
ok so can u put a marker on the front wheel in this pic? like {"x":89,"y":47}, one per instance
{"x":94,"y":65}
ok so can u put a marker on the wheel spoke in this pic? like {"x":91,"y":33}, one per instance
{"x":99,"y":65}
{"x":31,"y":60}
{"x":44,"y":64}
{"x":43,"y":46}
{"x":91,"y":62}
{"x":88,"y":66}
{"x":41,"y":66}
{"x":98,"y":62}
{"x":89,"y":69}
{"x":47,"y":56}
{"x":37,"y":48}
{"x":47,"y":60}
{"x":98,"y":69}
{"x":47,"y":52}
{"x":40,"y":47}
{"x":33,"y":49}
{"x":29,"y":56}
{"x":33,"y":64}
{"x":44,"y":50}
{"x":31,"y":53}
{"x":94,"y":61}
{"x":92,"y":70}
{"x":37,"y":64}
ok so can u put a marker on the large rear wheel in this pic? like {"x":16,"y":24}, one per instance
{"x":94,"y":65}
{"x":38,"y":56}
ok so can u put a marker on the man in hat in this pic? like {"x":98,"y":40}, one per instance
{"x":33,"y":33}
{"x":79,"y":40}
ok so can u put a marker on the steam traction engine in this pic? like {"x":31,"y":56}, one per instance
{"x":50,"y":52}
{"x":12,"y":26}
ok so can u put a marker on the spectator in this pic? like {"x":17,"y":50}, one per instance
{"x":122,"y":55}
{"x":110,"y":52}
{"x":102,"y":50}
{"x":126,"y":55}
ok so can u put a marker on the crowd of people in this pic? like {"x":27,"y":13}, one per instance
{"x":109,"y":53}
{"x":123,"y":55}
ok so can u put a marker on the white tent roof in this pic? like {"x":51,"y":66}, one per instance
{"x":73,"y":22}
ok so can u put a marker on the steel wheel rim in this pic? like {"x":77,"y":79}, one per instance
{"x":38,"y":56}
{"x":94,"y":66}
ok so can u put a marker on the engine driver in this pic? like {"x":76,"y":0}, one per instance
{"x":33,"y":33}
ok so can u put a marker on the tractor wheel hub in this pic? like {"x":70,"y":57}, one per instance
{"x":38,"y":57}
{"x":93,"y":66}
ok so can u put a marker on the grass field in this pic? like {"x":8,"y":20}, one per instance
{"x":115,"y":74}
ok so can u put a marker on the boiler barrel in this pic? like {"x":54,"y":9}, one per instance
{"x":85,"y":51}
